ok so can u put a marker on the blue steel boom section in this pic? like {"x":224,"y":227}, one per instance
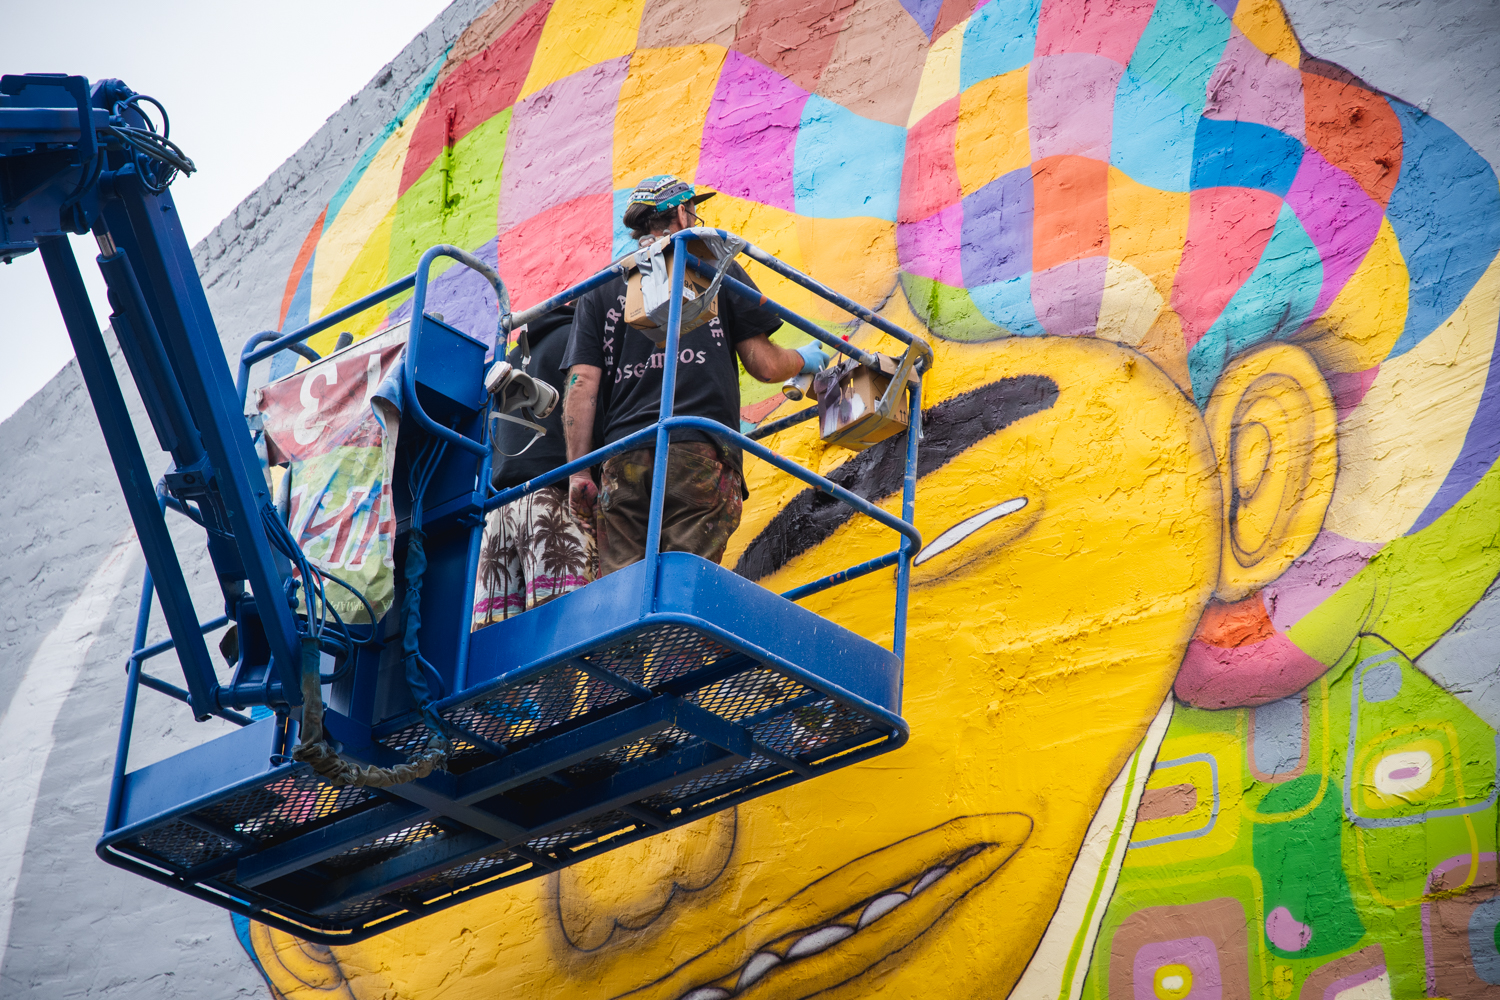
{"x":663,"y":692}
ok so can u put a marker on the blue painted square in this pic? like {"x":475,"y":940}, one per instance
{"x":623,"y":241}
{"x":1180,"y":49}
{"x":846,"y":165}
{"x":1153,"y":135}
{"x":1244,"y":154}
{"x":1000,"y":37}
{"x":1008,"y":304}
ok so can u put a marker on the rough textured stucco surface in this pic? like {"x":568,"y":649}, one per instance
{"x":80,"y":928}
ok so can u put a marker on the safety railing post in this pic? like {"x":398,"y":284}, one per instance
{"x":663,"y":432}
{"x":127,"y":714}
{"x":908,"y":512}
{"x":413,"y":405}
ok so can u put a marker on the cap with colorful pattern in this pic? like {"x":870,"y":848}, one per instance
{"x":663,"y":191}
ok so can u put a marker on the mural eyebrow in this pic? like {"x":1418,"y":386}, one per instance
{"x":951,"y":427}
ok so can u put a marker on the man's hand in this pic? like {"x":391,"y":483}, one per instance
{"x":583,"y":495}
{"x":814,"y":358}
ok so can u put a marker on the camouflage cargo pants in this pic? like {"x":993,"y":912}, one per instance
{"x":701,"y":511}
{"x":534,"y":549}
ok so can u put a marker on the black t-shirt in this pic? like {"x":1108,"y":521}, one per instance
{"x":549,"y":339}
{"x":708,"y":376}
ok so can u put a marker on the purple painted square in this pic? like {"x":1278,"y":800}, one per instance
{"x":750,"y":134}
{"x":1197,"y":953}
{"x":1339,"y":217}
{"x":924,"y":12}
{"x":464,"y":299}
{"x":930,"y":248}
{"x":997,"y":228}
{"x":1067,"y":297}
{"x":1250,"y":86}
{"x":561,"y":143}
{"x":1070,"y":100}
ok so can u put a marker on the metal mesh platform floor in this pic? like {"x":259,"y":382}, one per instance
{"x":642,"y":726}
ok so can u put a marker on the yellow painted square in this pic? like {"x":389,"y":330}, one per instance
{"x":579,"y":34}
{"x":993,"y":137}
{"x":1147,"y":229}
{"x":663,"y":104}
{"x":854,"y":256}
{"x":774,"y":230}
{"x":939,"y":74}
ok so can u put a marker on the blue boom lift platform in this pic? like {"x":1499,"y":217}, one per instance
{"x":455,"y":763}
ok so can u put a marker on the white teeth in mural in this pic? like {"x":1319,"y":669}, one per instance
{"x":966,"y":527}
{"x":880,"y":907}
{"x":758,"y":966}
{"x":926,"y":880}
{"x":823,"y":937}
{"x":827,"y":936}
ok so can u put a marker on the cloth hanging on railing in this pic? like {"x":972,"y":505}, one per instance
{"x":334,"y":426}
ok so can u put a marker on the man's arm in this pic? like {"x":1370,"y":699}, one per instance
{"x":580,"y":401}
{"x":768,"y":363}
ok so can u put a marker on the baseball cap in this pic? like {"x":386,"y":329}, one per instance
{"x":663,"y":191}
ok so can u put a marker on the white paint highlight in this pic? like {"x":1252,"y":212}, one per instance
{"x":1061,"y":961}
{"x":26,"y":726}
{"x":963,"y":529}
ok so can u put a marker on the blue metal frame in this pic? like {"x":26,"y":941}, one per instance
{"x":627,"y":707}
{"x":495,"y":667}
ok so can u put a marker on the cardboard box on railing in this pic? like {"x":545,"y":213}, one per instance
{"x":848,"y":395}
{"x":694,"y":284}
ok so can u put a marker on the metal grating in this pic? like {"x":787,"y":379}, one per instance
{"x":282,"y":808}
{"x":657,"y":655}
{"x":781,"y":713}
{"x":591,"y":829}
{"x":515,"y":714}
{"x":807,"y":731}
{"x":182,"y":845}
{"x":365,"y":910}
{"x":686,"y":794}
{"x":747,"y":693}
{"x":647,"y":748}
{"x":372,"y":852}
{"x":460,"y":876}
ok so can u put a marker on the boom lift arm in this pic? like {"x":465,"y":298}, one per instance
{"x":453,"y":764}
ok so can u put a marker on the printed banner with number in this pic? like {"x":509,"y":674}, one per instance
{"x":319,"y":423}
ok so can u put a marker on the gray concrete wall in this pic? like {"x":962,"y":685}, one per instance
{"x":79,"y":928}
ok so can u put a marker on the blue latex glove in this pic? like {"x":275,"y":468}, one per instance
{"x":814,"y":358}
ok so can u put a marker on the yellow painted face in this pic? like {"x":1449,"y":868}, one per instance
{"x":1071,"y":510}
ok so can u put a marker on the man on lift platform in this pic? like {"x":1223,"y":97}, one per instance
{"x":535,"y":548}
{"x":615,"y":373}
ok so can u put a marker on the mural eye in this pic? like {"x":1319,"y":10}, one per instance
{"x":967,"y":527}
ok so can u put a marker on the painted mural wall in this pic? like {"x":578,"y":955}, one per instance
{"x":1213,"y":713}
{"x":1204,"y":716}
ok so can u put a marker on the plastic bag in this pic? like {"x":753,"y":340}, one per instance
{"x":648,"y":298}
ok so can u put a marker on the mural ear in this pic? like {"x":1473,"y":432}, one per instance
{"x":1274,"y":429}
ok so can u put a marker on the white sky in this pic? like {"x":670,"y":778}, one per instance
{"x":245,"y":84}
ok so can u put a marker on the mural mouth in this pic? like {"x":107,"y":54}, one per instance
{"x":963,"y":529}
{"x":836,"y":928}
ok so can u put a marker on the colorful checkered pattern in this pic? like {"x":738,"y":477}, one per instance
{"x":1177,"y":176}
